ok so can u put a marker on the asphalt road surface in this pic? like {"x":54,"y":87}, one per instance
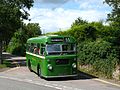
{"x":21,"y":78}
{"x":8,"y":84}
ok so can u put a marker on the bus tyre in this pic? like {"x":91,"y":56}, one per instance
{"x":29,"y":66}
{"x":39,"y":71}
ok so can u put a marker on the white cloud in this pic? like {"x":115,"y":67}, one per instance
{"x":61,"y":19}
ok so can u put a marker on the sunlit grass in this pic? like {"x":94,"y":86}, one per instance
{"x":3,"y":66}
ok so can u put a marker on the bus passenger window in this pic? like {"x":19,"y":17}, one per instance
{"x":27,"y":47}
{"x":32,"y":48}
{"x":37,"y":49}
{"x":42,"y":51}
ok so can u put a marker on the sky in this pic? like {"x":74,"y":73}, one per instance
{"x":56,"y":15}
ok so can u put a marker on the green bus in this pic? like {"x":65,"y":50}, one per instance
{"x":52,"y":56}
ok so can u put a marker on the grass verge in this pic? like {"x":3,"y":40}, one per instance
{"x":89,"y":70}
{"x":5,"y":64}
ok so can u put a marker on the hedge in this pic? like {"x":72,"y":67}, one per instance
{"x":100,"y":54}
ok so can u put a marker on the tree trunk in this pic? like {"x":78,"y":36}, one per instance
{"x":1,"y":59}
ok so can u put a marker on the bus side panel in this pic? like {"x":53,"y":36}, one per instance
{"x":29,"y":58}
{"x":43,"y":67}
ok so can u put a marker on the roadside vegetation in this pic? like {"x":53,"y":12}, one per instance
{"x":98,"y":47}
{"x":2,"y":66}
{"x":17,"y":44}
{"x":6,"y":64}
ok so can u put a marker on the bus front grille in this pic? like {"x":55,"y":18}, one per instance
{"x":62,"y":61}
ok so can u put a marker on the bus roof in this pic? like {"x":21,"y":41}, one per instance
{"x":44,"y":39}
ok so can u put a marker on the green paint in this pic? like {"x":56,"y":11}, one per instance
{"x":56,"y":55}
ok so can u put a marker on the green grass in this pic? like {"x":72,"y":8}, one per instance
{"x":5,"y":64}
{"x":2,"y":66}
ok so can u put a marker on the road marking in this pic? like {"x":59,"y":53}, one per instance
{"x":30,"y":81}
{"x":12,"y":69}
{"x":106,"y":82}
{"x":56,"y":86}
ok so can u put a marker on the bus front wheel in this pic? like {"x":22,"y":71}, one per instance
{"x":39,"y":71}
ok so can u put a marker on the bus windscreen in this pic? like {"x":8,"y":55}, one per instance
{"x":60,"y":49}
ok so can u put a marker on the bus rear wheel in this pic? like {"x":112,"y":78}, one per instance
{"x":39,"y":71}
{"x":29,"y":66}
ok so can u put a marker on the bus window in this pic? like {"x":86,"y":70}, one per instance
{"x":53,"y":48}
{"x":32,"y":48}
{"x":69,"y":47}
{"x":36,"y":48}
{"x":27,"y":47}
{"x":42,"y":49}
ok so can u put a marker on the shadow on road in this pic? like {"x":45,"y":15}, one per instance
{"x":81,"y":76}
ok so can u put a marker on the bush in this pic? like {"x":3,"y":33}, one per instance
{"x":100,"y":54}
{"x":80,"y":33}
{"x":16,"y":48}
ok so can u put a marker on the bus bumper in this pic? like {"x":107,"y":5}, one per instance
{"x":75,"y":75}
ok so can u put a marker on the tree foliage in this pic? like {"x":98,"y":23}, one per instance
{"x":12,"y":12}
{"x":114,"y":16}
{"x":17,"y":44}
{"x":80,"y":32}
{"x":79,"y":21}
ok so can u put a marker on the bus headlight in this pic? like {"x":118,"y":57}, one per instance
{"x":74,"y":65}
{"x":50,"y":67}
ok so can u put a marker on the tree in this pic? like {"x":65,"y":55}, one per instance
{"x":17,"y":44}
{"x":78,"y":22}
{"x":12,"y":13}
{"x":114,"y":16}
{"x":82,"y":33}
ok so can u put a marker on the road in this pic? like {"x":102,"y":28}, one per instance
{"x":8,"y":84}
{"x":20,"y":78}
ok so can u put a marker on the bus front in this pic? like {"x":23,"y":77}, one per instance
{"x":61,"y":58}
